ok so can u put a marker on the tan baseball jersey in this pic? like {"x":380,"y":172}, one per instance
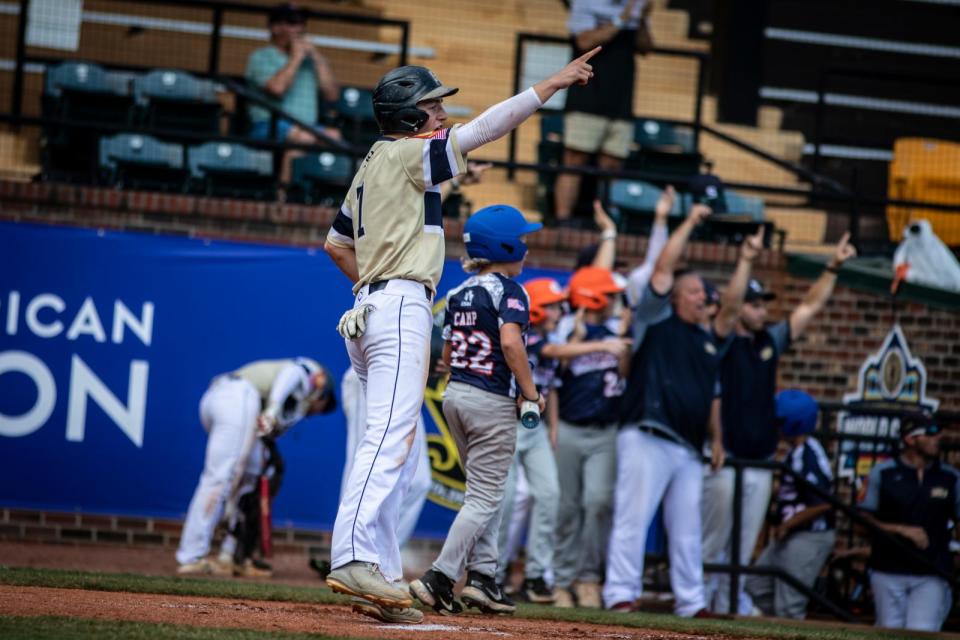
{"x":392,"y":215}
{"x":284,"y":387}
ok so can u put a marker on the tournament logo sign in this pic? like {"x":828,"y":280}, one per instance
{"x":448,"y":480}
{"x":890,"y":379}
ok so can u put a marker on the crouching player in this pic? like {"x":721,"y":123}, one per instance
{"x":484,"y":326}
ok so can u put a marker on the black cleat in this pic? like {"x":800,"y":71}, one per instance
{"x":482,"y":592}
{"x":536,"y":590}
{"x":436,"y":591}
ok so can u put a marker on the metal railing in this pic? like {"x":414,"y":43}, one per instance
{"x":849,"y":508}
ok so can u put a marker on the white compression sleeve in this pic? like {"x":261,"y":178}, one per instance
{"x":498,"y":120}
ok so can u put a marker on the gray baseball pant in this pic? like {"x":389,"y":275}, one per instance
{"x":911,"y":601}
{"x":802,"y":555}
{"x":484,"y":428}
{"x":587,"y":466}
{"x":540,"y":468}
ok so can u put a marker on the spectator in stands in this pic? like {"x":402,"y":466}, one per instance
{"x":664,"y":420}
{"x":290,"y":70}
{"x":601,"y":121}
{"x":914,"y":497}
{"x":804,"y":536}
{"x":748,"y":378}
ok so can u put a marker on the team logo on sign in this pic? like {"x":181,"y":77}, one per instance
{"x":891,"y":378}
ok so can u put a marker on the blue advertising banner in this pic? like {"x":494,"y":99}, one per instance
{"x":109,"y":339}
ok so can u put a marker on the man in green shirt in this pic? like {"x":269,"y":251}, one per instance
{"x":290,"y":70}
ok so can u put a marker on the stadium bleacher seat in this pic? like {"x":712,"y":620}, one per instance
{"x":355,"y":109}
{"x":132,"y":160}
{"x":925,"y":169}
{"x":663,"y":148}
{"x":633,"y":202}
{"x":741,"y":205}
{"x":662,"y":136}
{"x":86,"y":93}
{"x":177,"y":101}
{"x":320,"y":178}
{"x":231,"y":170}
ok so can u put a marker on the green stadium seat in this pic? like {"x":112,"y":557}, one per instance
{"x":663,"y":148}
{"x":178,"y":101}
{"x":663,"y":136}
{"x":633,"y":203}
{"x":738,"y":204}
{"x":356,"y":120}
{"x":231,"y":170}
{"x":320,"y":178}
{"x":132,"y":160}
{"x":86,"y":93}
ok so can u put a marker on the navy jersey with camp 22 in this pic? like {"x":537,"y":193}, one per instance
{"x":475,"y":312}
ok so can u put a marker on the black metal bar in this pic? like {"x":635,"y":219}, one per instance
{"x":818,"y":122}
{"x":780,"y":574}
{"x":213,"y":62}
{"x":698,"y":107}
{"x":404,"y":43}
{"x":199,"y":138}
{"x":16,"y":97}
{"x":276,"y":112}
{"x":517,"y":66}
{"x":797,"y":170}
{"x":735,"y":530}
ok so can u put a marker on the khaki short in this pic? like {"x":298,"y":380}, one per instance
{"x":590,"y":133}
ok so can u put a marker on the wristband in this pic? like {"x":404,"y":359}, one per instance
{"x":832,"y":269}
{"x":609,"y":234}
{"x":524,"y":396}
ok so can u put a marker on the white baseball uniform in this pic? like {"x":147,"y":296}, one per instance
{"x":228,"y":412}
{"x":391,"y":218}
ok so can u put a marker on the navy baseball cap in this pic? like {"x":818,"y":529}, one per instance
{"x":920,"y":423}
{"x":796,"y":412}
{"x":755,"y":291}
{"x":706,"y":188}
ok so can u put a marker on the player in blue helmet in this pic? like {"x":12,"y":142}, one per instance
{"x":804,"y":536}
{"x":484,"y":330}
{"x":495,"y":234}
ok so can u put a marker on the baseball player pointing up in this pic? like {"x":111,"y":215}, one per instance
{"x":388,"y":240}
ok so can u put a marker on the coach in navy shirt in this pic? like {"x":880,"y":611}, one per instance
{"x":664,"y":418}
{"x":748,"y":380}
{"x":915,"y":497}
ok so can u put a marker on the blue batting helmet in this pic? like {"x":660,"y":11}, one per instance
{"x":796,"y":412}
{"x":495,"y":233}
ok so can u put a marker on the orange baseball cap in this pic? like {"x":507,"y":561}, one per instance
{"x":543,"y":291}
{"x":590,"y":288}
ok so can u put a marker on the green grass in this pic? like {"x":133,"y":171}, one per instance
{"x":316,"y":595}
{"x":136,"y":583}
{"x":61,"y":628}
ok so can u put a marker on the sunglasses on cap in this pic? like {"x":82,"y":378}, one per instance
{"x":931,"y":429}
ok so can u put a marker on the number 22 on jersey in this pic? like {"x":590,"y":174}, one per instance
{"x":471,"y":351}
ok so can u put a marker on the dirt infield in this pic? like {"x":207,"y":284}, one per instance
{"x":304,"y":618}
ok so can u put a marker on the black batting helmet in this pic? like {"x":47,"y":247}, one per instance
{"x":396,"y":96}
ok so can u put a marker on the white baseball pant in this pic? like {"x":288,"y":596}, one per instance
{"x":391,"y":360}
{"x":354,"y":407}
{"x":651,"y":469}
{"x":228,"y":412}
